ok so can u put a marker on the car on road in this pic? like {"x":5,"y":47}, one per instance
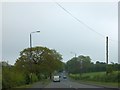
{"x":56,"y":78}
{"x":64,"y":77}
{"x":59,"y":76}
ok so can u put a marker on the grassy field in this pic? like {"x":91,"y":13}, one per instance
{"x":94,"y":73}
{"x":104,"y":84}
{"x":97,"y":78}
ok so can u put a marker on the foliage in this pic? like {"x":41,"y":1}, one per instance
{"x":34,"y":78}
{"x":43,"y":60}
{"x":109,"y":69}
{"x":112,"y":74}
{"x":98,"y":76}
{"x":33,"y":64}
{"x":83,"y":64}
{"x":12,"y":78}
{"x":79,"y":64}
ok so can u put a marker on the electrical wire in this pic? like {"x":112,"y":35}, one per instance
{"x":84,"y":23}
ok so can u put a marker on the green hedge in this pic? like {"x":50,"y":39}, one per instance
{"x":12,"y":78}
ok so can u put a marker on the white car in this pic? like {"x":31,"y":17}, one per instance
{"x":56,"y":78}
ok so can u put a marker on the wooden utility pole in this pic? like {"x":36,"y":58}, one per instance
{"x":107,"y":55}
{"x":107,"y":50}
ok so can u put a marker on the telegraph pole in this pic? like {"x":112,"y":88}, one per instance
{"x":107,"y":49}
{"x":106,"y":54}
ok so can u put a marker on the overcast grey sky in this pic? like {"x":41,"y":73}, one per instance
{"x":59,"y":30}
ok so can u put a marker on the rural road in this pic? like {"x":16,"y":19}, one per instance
{"x":66,"y":83}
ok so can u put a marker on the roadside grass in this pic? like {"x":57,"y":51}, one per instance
{"x":95,"y":78}
{"x":44,"y":82}
{"x":25,"y":86}
{"x":94,"y":73}
{"x":103,"y":84}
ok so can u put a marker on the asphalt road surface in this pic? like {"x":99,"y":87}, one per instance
{"x":66,"y":83}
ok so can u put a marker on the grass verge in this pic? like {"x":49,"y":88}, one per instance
{"x":102,"y":84}
{"x":97,"y":78}
{"x":25,"y":86}
{"x":43,"y":82}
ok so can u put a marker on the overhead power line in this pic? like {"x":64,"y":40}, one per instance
{"x":82,"y":22}
{"x":79,"y":20}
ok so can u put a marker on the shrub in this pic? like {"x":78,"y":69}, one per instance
{"x":34,"y":78}
{"x":27,"y":79}
{"x":6,"y":78}
{"x":12,"y":78}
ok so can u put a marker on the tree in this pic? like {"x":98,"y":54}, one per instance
{"x":79,"y":64}
{"x":39,"y":60}
{"x":85,"y":62}
{"x":72,"y":66}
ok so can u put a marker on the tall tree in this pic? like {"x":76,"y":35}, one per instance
{"x":39,"y":60}
{"x":79,"y":64}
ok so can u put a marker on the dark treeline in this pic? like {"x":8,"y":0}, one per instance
{"x":83,"y":64}
{"x":38,"y":63}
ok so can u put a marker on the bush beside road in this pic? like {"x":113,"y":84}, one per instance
{"x":28,"y":70}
